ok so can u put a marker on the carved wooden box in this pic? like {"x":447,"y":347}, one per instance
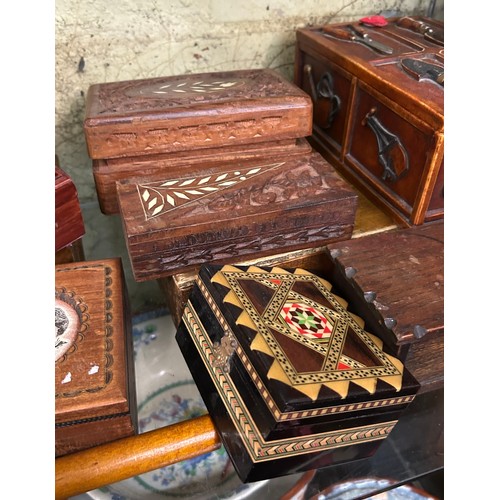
{"x":191,"y":112}
{"x":379,"y":117}
{"x":229,"y":212}
{"x":289,"y":374}
{"x":68,"y":215}
{"x":108,"y":171}
{"x":95,"y":399}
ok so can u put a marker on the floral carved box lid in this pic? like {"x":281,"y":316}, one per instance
{"x":178,"y":222}
{"x":185,"y":112}
{"x":290,"y":376}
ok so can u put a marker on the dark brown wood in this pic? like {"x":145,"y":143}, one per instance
{"x":107,"y":172}
{"x":186,"y":112}
{"x":95,"y":399}
{"x":286,"y":371}
{"x":108,"y":463}
{"x":387,"y":132}
{"x":405,"y":269}
{"x":68,"y":216}
{"x":233,"y":212}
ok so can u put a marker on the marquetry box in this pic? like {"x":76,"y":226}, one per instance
{"x":69,"y":226}
{"x":290,"y":374}
{"x":229,"y":212}
{"x":95,"y":398}
{"x":108,"y":171}
{"x":379,"y":118}
{"x":397,"y":276}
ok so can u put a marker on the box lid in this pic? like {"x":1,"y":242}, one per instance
{"x":108,"y":171}
{"x":176,"y":223}
{"x":206,"y":110}
{"x":385,"y":263}
{"x":93,"y":374}
{"x":288,"y":361}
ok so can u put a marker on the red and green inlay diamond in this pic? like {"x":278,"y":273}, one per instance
{"x":306,"y":320}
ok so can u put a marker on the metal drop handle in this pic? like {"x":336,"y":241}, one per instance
{"x":324,"y":89}
{"x":392,"y":155}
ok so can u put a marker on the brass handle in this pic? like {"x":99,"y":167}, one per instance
{"x":392,"y":155}
{"x":323,"y":93}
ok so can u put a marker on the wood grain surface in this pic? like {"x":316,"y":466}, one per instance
{"x":233,"y":212}
{"x":109,"y":171}
{"x":108,"y":463}
{"x":95,"y":398}
{"x":69,"y":226}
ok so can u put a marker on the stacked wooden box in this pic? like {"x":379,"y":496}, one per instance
{"x":211,"y":168}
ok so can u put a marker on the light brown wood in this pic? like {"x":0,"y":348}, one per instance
{"x":94,"y":375}
{"x":105,"y":464}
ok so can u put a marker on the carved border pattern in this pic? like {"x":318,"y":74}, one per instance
{"x":197,"y":256}
{"x":108,"y":332}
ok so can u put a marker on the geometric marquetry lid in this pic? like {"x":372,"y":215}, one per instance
{"x":308,"y":331}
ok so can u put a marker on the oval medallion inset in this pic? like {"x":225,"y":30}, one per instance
{"x":67,"y":325}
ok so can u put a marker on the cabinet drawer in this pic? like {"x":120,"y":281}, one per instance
{"x":329,"y":87}
{"x":388,"y":148}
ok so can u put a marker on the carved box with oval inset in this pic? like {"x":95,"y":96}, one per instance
{"x":95,"y":397}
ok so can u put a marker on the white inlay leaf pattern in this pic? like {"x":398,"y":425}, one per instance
{"x":202,"y":86}
{"x":164,"y":196}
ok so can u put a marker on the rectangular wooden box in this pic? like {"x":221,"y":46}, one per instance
{"x":68,"y":215}
{"x":378,"y":125}
{"x":228,"y":212}
{"x":191,"y":112}
{"x":108,"y":171}
{"x":95,"y":398}
{"x":289,"y":374}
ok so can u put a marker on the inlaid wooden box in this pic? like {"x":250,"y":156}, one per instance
{"x":378,"y":117}
{"x":95,"y":397}
{"x":69,"y":226}
{"x":108,"y":171}
{"x":229,"y":212}
{"x":191,"y":112}
{"x":290,"y":374}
